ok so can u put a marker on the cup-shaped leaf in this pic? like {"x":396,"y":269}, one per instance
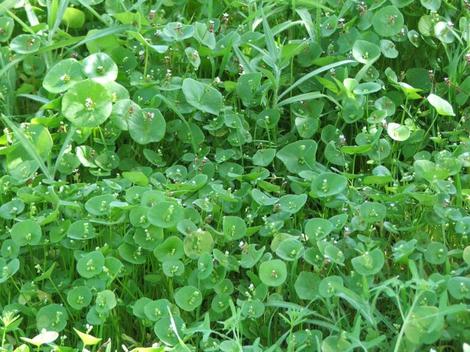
{"x":365,"y":52}
{"x":25,"y":44}
{"x":188,"y":298}
{"x":369,"y":263}
{"x":26,"y":232}
{"x":273,"y":272}
{"x":100,"y":67}
{"x":90,"y":264}
{"x":148,"y":126}
{"x":292,"y":203}
{"x":52,"y":317}
{"x":87,"y":104}
{"x":388,"y":21}
{"x":79,"y":297}
{"x":202,"y":96}
{"x":6,"y":28}
{"x":328,"y":184}
{"x":298,"y":156}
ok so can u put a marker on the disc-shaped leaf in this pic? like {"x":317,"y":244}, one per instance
{"x":165,"y":329}
{"x":365,"y":52}
{"x":298,"y":156}
{"x":155,"y":310}
{"x":26,"y":232}
{"x":188,"y":298}
{"x":171,"y":249}
{"x":398,"y":132}
{"x":9,"y":269}
{"x":290,"y":249}
{"x":328,"y":184}
{"x":52,"y":317}
{"x":147,"y":127}
{"x":81,"y":230}
{"x":292,"y":203}
{"x":73,"y":17}
{"x":166,"y":214}
{"x":372,"y":212}
{"x":79,"y":297}
{"x":202,"y":96}
{"x":90,"y":264}
{"x":6,"y":28}
{"x":234,"y":227}
{"x":87,"y":104}
{"x":100,"y":67}
{"x":306,"y":285}
{"x":369,"y":263}
{"x":25,"y":44}
{"x":388,"y":21}
{"x":198,"y":242}
{"x":317,"y":229}
{"x":436,"y":253}
{"x":105,"y":301}
{"x":273,"y":272}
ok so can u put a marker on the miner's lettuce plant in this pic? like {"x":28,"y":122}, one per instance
{"x":233,"y":176}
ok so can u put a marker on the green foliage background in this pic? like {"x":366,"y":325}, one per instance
{"x":185,"y":175}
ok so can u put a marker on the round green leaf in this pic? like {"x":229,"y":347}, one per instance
{"x":328,"y":184}
{"x":73,"y":18}
{"x":198,"y":242}
{"x":100,"y":67}
{"x":90,"y":264}
{"x":306,"y":285}
{"x":202,"y":96}
{"x":81,"y":230}
{"x":52,"y":317}
{"x":188,"y":298}
{"x":436,"y":253}
{"x":26,"y":232}
{"x":398,"y":132}
{"x":147,"y":126}
{"x":317,"y":229}
{"x":87,"y":104}
{"x":298,"y":156}
{"x":388,"y":21}
{"x":365,"y":52}
{"x":273,"y":272}
{"x":6,"y":28}
{"x":369,"y":263}
{"x":25,"y":44}
{"x":105,"y":301}
{"x":79,"y":297}
{"x":292,"y":203}
{"x":166,"y":214}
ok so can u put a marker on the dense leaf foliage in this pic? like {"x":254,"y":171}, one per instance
{"x":208,"y":175}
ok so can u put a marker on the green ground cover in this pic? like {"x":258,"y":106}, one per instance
{"x":235,"y":176}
